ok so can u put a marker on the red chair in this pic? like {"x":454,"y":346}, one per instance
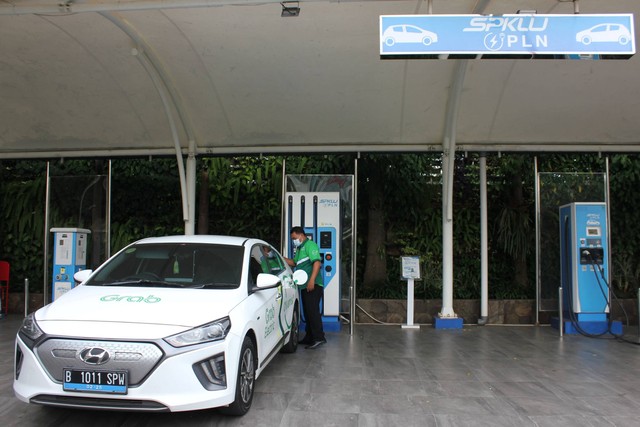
{"x":4,"y":287}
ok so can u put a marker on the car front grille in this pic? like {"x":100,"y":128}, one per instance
{"x":138,"y":358}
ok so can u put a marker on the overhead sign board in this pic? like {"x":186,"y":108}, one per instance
{"x":605,"y":36}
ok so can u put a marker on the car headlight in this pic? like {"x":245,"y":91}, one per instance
{"x":213,"y":331}
{"x":30,"y":329}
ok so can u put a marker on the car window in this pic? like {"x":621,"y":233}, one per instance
{"x":177,"y":265}
{"x":413,"y":30}
{"x":264,"y":259}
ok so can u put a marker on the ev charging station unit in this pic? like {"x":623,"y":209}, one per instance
{"x":584,"y":270}
{"x":69,"y":257}
{"x":319,"y":214}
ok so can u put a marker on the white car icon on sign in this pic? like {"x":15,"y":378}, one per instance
{"x":615,"y":33}
{"x":408,"y":34}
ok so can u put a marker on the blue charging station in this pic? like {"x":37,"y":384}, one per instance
{"x":584,"y":269}
{"x":69,"y":257}
{"x":318,"y":213}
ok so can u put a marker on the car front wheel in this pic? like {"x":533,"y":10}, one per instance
{"x":246,"y":380}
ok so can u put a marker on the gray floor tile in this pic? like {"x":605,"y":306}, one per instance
{"x":394,"y":404}
{"x":466,"y":389}
{"x":325,"y":403}
{"x":521,"y":389}
{"x":482,"y":421}
{"x":318,"y":419}
{"x":489,"y":406}
{"x":399,"y":387}
{"x":396,"y":420}
{"x":532,"y":406}
{"x":571,"y":421}
{"x":622,"y":421}
{"x":611,"y":405}
{"x":353,"y":387}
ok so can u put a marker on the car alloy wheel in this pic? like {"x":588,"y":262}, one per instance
{"x":245,"y":380}
{"x":247,"y":375}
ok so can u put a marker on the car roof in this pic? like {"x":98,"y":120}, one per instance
{"x":200,"y":238}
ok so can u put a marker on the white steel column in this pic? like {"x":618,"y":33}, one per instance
{"x":170,"y":99}
{"x":448,"y":161}
{"x":484,"y":246}
{"x":190,"y":222}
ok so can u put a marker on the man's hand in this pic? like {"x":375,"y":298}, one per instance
{"x":310,"y":286}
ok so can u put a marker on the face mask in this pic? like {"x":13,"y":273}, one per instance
{"x":271,"y":254}
{"x":296,"y":242}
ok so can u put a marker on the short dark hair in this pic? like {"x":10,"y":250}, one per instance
{"x":297,"y":230}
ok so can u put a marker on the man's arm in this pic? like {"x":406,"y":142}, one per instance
{"x":314,"y":273}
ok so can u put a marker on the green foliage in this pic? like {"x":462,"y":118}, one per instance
{"x":245,"y":194}
{"x":22,"y":194}
{"x":146,"y":200}
{"x":245,"y":199}
{"x":625,"y":205}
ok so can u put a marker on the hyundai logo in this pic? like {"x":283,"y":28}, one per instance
{"x":94,"y":356}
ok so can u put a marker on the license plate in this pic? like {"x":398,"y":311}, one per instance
{"x":114,"y":382}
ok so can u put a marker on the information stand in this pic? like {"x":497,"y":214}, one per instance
{"x":410,"y":272}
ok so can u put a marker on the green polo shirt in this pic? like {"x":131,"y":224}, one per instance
{"x":306,"y":254}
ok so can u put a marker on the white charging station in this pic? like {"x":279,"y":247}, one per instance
{"x":69,"y":257}
{"x":320,"y":216}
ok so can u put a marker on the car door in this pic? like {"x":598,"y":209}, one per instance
{"x":267,"y":303}
{"x":288,"y":292}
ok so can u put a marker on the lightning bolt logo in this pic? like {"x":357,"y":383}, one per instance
{"x":493,"y":42}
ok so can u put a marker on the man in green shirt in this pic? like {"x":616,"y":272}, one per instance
{"x":307,"y":257}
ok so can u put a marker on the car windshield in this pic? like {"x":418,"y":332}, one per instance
{"x":173,"y":265}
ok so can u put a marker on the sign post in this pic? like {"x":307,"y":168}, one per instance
{"x":410,"y":272}
{"x":519,"y":36}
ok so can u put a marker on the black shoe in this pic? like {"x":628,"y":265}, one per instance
{"x":316,"y":344}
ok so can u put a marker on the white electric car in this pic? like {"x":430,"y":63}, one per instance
{"x":167,"y":324}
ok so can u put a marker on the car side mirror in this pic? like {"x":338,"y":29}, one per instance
{"x":81,"y":276}
{"x":266,"y":281}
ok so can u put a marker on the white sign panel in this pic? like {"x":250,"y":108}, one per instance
{"x":410,"y":267}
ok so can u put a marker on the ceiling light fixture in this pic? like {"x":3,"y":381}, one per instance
{"x":290,"y":8}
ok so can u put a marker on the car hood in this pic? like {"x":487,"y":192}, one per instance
{"x":134,"y":310}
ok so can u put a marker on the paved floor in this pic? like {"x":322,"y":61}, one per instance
{"x":387,"y":376}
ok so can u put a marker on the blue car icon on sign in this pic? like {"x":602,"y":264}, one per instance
{"x":408,"y":34}
{"x":605,"y":33}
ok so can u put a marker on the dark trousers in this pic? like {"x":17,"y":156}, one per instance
{"x":311,"y":308}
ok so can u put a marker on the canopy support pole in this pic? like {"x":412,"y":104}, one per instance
{"x":448,"y":162}
{"x":171,"y":102}
{"x":484,"y":245}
